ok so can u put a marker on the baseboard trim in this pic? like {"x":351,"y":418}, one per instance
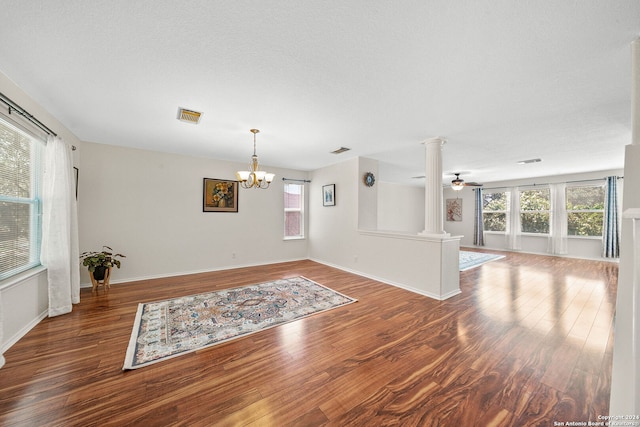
{"x":186,"y":273}
{"x":22,"y":332}
{"x":389,"y":282}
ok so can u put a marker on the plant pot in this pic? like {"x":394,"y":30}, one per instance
{"x":99,"y":272}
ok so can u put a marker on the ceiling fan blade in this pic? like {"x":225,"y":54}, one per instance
{"x":472,"y":184}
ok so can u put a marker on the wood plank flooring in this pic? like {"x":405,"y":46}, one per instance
{"x":527,"y":342}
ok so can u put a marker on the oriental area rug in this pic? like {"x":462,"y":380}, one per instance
{"x":170,"y":328}
{"x":474,"y":259}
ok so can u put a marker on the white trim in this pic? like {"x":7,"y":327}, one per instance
{"x":407,"y":236}
{"x":22,"y":332}
{"x":186,"y":273}
{"x":16,"y":279}
{"x":489,"y":248}
{"x":388,"y":282}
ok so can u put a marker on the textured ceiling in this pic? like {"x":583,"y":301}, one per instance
{"x":500,"y":80}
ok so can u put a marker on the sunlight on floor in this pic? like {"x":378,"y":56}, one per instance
{"x":567,"y":306}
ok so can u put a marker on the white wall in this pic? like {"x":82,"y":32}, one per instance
{"x":23,"y":303}
{"x":24,"y":299}
{"x":343,"y":236}
{"x":400,"y":208}
{"x":625,"y":377}
{"x":578,"y":247}
{"x":367,"y":196}
{"x":333,"y":229}
{"x":148,"y":206}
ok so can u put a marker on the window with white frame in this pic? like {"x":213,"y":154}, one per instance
{"x":293,"y":211}
{"x":495,"y":210}
{"x":585,"y":210}
{"x":535,"y":208}
{"x":20,"y":204}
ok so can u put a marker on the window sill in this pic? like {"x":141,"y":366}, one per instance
{"x":545,"y":235}
{"x":293,"y":238}
{"x":21,"y":277}
{"x":585,"y":237}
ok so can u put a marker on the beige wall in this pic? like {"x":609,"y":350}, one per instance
{"x":148,"y":206}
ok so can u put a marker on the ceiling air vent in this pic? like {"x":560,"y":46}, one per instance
{"x":340,"y":150}
{"x":526,"y":162}
{"x":189,"y":116}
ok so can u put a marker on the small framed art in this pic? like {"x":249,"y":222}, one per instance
{"x":219,"y":195}
{"x":454,"y":209}
{"x":329,"y":195}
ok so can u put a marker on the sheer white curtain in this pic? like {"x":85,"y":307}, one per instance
{"x":558,"y":220}
{"x":514,"y":231}
{"x":60,"y":228}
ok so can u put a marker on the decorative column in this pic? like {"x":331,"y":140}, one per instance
{"x":433,"y":199}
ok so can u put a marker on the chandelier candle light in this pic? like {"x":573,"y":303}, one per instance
{"x":253,"y":177}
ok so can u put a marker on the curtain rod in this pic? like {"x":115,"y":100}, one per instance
{"x":298,"y":180}
{"x":24,"y":113}
{"x":547,"y":183}
{"x":30,"y":117}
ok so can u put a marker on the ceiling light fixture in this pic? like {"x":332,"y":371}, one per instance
{"x":457,"y":184}
{"x":254,"y":178}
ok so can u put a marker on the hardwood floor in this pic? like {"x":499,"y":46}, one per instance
{"x":527,"y":342}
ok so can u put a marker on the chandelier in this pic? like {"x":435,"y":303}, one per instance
{"x":253,"y":177}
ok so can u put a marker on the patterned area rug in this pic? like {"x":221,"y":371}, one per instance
{"x":474,"y":259}
{"x":170,"y":328}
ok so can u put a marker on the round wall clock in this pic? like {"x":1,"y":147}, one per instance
{"x":369,"y":179}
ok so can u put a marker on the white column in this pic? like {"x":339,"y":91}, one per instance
{"x":625,"y":375}
{"x":635,"y":92}
{"x":433,"y":199}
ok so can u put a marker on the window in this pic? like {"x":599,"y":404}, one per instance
{"x":534,"y":211}
{"x":19,"y":200}
{"x":585,"y":210}
{"x":293,"y":211}
{"x":494,"y":211}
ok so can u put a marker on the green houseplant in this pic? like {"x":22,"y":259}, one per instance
{"x":99,"y":263}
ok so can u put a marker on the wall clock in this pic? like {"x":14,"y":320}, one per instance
{"x":369,"y":179}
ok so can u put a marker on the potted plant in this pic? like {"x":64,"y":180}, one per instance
{"x":100,"y":263}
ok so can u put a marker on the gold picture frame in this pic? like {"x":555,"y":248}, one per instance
{"x":219,"y":195}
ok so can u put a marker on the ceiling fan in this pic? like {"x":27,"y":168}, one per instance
{"x":458,"y":184}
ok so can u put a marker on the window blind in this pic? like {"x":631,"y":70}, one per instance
{"x":20,"y":205}
{"x":293,"y":211}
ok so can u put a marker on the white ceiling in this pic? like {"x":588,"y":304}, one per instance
{"x":501,"y":80}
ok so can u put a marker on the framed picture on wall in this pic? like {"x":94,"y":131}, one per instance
{"x":219,"y":195}
{"x":454,"y":209}
{"x":329,"y":195}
